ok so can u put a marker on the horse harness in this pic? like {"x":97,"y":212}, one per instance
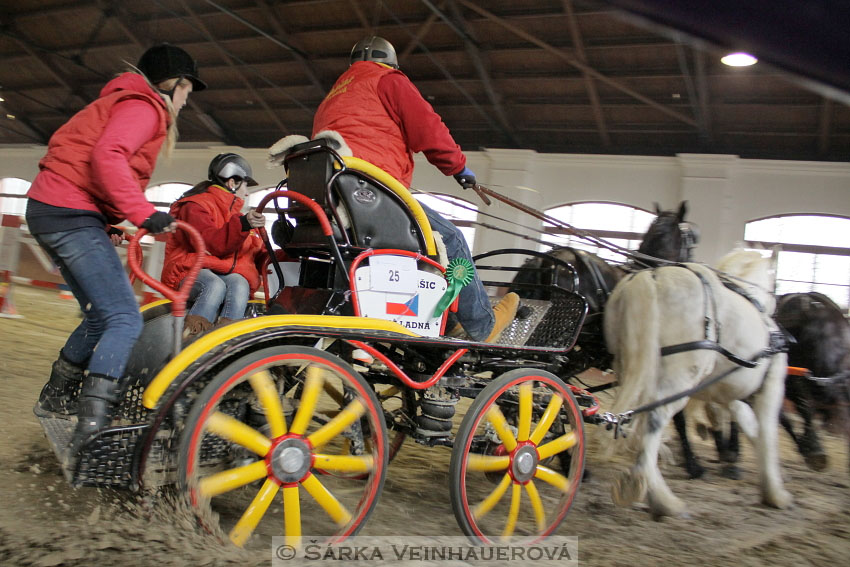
{"x":777,"y":343}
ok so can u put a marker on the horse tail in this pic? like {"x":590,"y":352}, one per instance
{"x":632,"y":330}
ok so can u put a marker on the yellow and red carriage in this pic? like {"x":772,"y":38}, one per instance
{"x":312,"y":395}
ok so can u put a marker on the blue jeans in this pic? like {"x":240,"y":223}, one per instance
{"x":111,"y":324}
{"x":212,"y":292}
{"x":474,"y":312}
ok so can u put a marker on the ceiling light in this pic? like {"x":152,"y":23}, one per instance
{"x":10,"y":116}
{"x":2,"y":99}
{"x":738,"y":60}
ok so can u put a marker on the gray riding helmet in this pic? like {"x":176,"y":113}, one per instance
{"x":224,"y":166}
{"x":374,"y":48}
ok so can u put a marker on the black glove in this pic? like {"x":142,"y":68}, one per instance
{"x":466,"y":178}
{"x":157,"y":222}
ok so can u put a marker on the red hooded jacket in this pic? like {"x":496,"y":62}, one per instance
{"x":384,"y":120}
{"x":230,"y":249}
{"x":86,"y":169}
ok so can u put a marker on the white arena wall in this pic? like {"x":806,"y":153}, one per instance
{"x":724,"y":191}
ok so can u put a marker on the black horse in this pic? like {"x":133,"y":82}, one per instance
{"x":669,"y":238}
{"x":822,"y":347}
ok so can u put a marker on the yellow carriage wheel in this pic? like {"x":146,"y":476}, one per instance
{"x":262,"y":434}
{"x":518,"y":459}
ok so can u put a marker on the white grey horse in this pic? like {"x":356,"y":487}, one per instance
{"x":669,"y":306}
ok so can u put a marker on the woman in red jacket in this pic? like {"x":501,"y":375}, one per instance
{"x":94,"y":174}
{"x":229,"y":276}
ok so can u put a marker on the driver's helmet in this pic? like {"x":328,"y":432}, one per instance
{"x":374,"y":48}
{"x":226,"y":166}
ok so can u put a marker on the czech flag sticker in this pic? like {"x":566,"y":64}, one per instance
{"x":409,"y":308}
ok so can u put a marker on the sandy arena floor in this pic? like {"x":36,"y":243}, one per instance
{"x":44,"y":522}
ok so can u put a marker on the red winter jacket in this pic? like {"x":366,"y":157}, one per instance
{"x":102,"y":159}
{"x":230,"y":249}
{"x":384,"y":120}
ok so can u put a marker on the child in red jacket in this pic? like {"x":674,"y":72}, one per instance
{"x":229,"y":276}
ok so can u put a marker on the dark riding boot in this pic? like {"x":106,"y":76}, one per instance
{"x":98,"y":400}
{"x":59,"y":396}
{"x":193,"y":327}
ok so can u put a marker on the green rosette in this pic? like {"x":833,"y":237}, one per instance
{"x":458,"y":274}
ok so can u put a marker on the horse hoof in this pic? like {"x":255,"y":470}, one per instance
{"x":731,"y":472}
{"x":669,"y":506}
{"x":817,"y":461}
{"x":626,"y":489}
{"x":695,"y":472}
{"x":780,"y":498}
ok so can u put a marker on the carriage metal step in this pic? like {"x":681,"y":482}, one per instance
{"x":58,"y":432}
{"x":107,"y":458}
{"x":520,"y":330}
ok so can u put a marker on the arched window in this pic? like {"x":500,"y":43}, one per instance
{"x":13,"y":193}
{"x":459,"y":211}
{"x":622,"y":225}
{"x":164,"y":194}
{"x":815,"y":254}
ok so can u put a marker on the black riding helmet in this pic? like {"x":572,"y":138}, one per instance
{"x":374,"y":48}
{"x":166,"y":61}
{"x":226,"y":166}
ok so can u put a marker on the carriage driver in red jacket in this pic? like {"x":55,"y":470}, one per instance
{"x":384,"y":120}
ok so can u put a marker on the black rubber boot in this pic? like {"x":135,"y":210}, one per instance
{"x":59,"y":396}
{"x":98,"y":400}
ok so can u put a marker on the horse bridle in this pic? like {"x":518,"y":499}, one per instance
{"x":690,"y":238}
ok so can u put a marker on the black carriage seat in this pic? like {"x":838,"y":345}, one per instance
{"x":368,"y":208}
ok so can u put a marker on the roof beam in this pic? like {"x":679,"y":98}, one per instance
{"x":577,"y":64}
{"x":702,"y":94}
{"x":592,"y":94}
{"x":281,"y":38}
{"x":459,"y":26}
{"x":361,"y":15}
{"x":420,"y":33}
{"x":693,"y":97}
{"x":227,"y":59}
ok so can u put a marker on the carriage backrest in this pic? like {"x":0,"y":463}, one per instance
{"x":373,"y":209}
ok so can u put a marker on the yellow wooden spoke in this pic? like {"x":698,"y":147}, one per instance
{"x":309,"y":397}
{"x":231,"y":479}
{"x":254,"y":513}
{"x":487,"y":504}
{"x":269,"y":399}
{"x":536,"y":505}
{"x":513,"y":513}
{"x":234,"y":430}
{"x":556,"y":446}
{"x":557,"y":480}
{"x":335,"y":509}
{"x":337,"y":425}
{"x":548,"y":417}
{"x":500,"y":424}
{"x":526,"y":397}
{"x":292,"y":516}
{"x":487,"y":463}
{"x":335,"y":394}
{"x":343,"y":463}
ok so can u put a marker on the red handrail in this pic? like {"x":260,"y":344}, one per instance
{"x":178,"y":297}
{"x":317,"y":210}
